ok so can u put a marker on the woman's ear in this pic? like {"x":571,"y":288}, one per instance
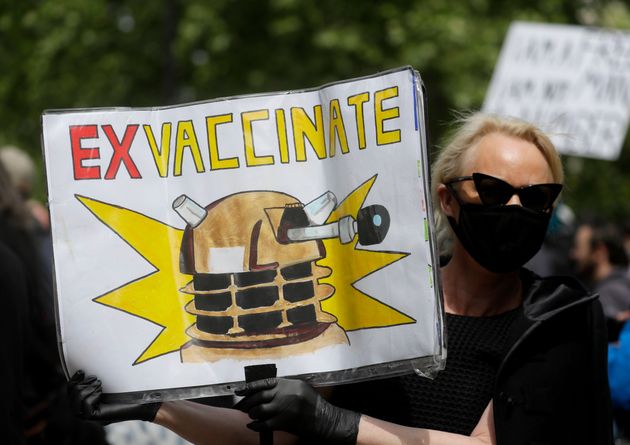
{"x":448,"y":204}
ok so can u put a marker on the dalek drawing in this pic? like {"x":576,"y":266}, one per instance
{"x":255,"y":279}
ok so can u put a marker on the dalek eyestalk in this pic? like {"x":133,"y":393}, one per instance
{"x":189,"y":210}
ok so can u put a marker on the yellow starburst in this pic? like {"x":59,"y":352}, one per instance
{"x":155,"y":297}
{"x":353,"y":308}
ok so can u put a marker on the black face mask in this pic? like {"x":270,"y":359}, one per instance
{"x":501,"y":238}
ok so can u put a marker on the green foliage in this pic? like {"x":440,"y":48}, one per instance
{"x":600,"y":187}
{"x":76,"y":53}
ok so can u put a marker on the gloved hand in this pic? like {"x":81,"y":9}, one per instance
{"x":294,"y":406}
{"x":85,"y":399}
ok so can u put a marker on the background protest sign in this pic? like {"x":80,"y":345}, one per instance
{"x":572,"y":81}
{"x":291,"y":228}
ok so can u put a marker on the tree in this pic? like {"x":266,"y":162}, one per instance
{"x":72,"y":53}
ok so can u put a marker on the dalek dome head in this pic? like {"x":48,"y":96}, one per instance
{"x":251,"y":286}
{"x":242,"y":233}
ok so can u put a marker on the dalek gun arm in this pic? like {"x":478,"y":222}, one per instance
{"x":372,"y":223}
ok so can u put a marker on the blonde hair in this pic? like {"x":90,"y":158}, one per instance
{"x":20,"y":167}
{"x":449,"y":163}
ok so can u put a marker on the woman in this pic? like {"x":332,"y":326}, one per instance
{"x":527,"y":356}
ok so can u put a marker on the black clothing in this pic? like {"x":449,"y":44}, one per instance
{"x":43,"y":371}
{"x":461,"y":392}
{"x":45,"y":415}
{"x":14,"y":320}
{"x":551,"y":387}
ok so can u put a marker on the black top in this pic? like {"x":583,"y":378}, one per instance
{"x":13,"y":318}
{"x":455,"y":400}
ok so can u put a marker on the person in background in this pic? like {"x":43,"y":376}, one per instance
{"x":625,"y":228}
{"x":526,"y":355}
{"x":619,"y":377}
{"x":551,"y":259}
{"x":47,"y":418}
{"x":601,"y":262}
{"x":23,"y":174}
{"x":13,"y":322}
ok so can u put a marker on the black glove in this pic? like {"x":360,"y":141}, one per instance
{"x":85,"y":399}
{"x":294,"y":406}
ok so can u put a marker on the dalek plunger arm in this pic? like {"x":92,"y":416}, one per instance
{"x":372,"y":225}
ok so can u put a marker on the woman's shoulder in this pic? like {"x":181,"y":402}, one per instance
{"x":544,"y":297}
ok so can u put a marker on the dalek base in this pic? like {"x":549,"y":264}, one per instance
{"x":332,"y":335}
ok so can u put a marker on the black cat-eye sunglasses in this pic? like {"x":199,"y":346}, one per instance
{"x":494,"y":191}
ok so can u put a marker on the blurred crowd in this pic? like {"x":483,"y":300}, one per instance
{"x":35,"y":409}
{"x":597,"y":252}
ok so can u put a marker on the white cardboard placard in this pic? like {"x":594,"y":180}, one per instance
{"x":572,"y":81}
{"x":193,"y":240}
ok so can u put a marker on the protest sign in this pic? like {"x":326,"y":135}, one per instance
{"x":289,"y":228}
{"x":572,"y":81}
